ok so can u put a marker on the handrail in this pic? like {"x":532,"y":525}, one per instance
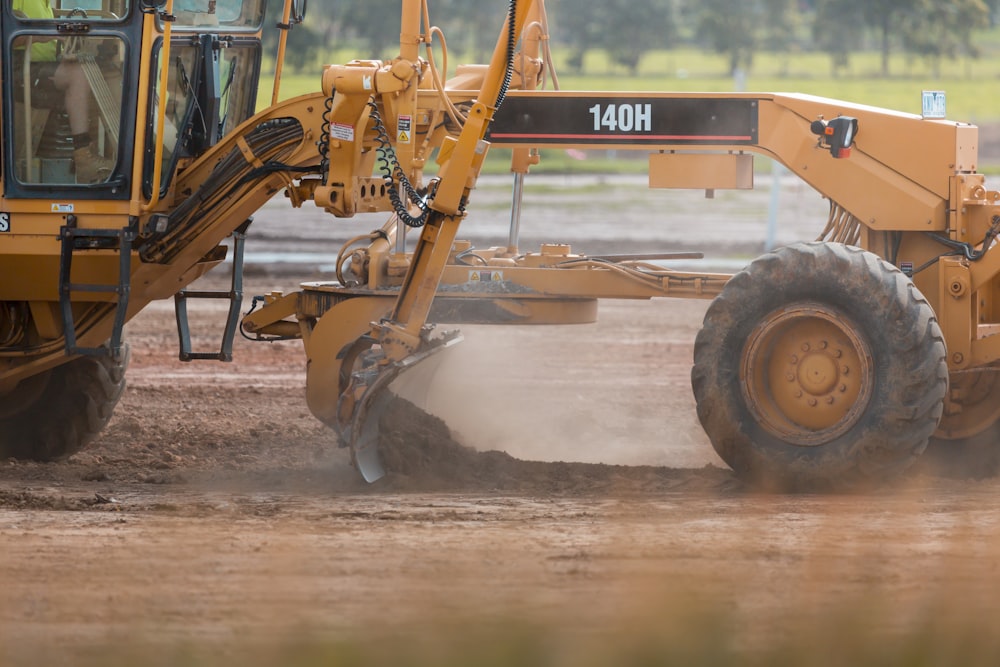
{"x":286,"y":16}
{"x":161,"y":110}
{"x":29,"y":148}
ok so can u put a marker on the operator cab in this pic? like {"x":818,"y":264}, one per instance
{"x":78,"y":74}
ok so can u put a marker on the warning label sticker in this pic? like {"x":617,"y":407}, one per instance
{"x":342,"y":131}
{"x":485,"y":276}
{"x":404,"y":133}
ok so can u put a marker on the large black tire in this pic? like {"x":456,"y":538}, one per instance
{"x":68,"y":407}
{"x":819,"y":367}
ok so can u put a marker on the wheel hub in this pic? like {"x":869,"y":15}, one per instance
{"x":818,"y":374}
{"x":806,"y":374}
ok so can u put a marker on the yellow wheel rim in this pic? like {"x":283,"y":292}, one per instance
{"x":806,"y":374}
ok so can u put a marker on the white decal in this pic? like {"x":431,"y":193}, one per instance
{"x":622,"y":117}
{"x":342,"y":131}
{"x":403,"y":127}
{"x":934,"y":104}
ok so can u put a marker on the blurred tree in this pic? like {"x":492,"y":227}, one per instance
{"x":994,"y":7}
{"x":625,"y":31}
{"x":306,"y":41}
{"x":934,"y":30}
{"x":894,"y":23}
{"x":577,"y":24}
{"x":941,"y":29}
{"x":374,"y":23}
{"x":471,"y":26}
{"x":837,"y":30}
{"x":730,"y":27}
{"x":304,"y":48}
{"x":781,"y":22}
{"x":632,"y":29}
{"x":886,"y":18}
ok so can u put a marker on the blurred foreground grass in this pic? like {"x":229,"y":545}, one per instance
{"x":874,"y":630}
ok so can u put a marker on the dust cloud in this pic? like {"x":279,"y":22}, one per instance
{"x":420,"y":454}
{"x":614,"y":392}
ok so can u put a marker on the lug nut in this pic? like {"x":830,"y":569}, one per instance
{"x":829,"y":400}
{"x":843,"y":388}
{"x":790,"y":377}
{"x":805,"y":347}
{"x":812,"y":402}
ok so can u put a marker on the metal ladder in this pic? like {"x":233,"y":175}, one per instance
{"x":234,"y":296}
{"x":73,"y":240}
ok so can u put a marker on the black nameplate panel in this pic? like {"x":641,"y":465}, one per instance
{"x":538,"y":119}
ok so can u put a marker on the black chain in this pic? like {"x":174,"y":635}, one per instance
{"x":511,"y":47}
{"x":392,"y":174}
{"x":323,"y":145}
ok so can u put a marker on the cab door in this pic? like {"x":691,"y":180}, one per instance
{"x":215,"y":59}
{"x":69,"y":100}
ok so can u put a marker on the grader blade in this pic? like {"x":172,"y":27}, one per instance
{"x":371,"y":391}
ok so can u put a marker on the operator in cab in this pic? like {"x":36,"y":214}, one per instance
{"x":57,"y":80}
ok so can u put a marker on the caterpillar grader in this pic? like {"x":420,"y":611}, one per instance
{"x":829,"y":364}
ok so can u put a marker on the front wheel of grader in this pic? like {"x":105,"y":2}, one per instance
{"x":819,"y":367}
{"x":59,"y":412}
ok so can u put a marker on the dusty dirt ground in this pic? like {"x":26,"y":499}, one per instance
{"x":215,"y":521}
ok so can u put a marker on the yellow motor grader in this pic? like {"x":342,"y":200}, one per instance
{"x":824,"y":364}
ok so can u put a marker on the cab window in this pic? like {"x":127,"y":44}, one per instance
{"x":67,"y":102}
{"x":218,"y":15}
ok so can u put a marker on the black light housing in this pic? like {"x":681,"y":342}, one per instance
{"x":837,"y":134}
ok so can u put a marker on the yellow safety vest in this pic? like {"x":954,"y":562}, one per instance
{"x":38,"y":9}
